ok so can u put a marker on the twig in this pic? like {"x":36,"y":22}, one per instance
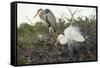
{"x":29,"y":20}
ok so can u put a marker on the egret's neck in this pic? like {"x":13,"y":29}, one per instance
{"x":63,"y":41}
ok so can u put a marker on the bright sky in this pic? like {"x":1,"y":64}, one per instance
{"x":30,"y":10}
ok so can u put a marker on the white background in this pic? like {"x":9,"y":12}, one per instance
{"x":5,"y":35}
{"x":30,"y":10}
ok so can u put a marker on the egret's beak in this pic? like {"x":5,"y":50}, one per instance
{"x":35,"y":15}
{"x":56,"y":43}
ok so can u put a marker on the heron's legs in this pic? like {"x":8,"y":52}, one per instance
{"x":51,"y":31}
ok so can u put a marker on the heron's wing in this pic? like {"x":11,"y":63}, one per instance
{"x":73,"y":33}
{"x":51,"y":18}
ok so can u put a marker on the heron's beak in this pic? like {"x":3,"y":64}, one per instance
{"x":35,"y":15}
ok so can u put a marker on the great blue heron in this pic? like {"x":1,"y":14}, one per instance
{"x":48,"y":17}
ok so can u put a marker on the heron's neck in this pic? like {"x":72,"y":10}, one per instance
{"x":41,"y":13}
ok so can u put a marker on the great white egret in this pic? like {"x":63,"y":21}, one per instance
{"x":71,"y":34}
{"x":48,"y":17}
{"x":69,"y":39}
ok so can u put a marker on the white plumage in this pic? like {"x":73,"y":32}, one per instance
{"x":71,"y":34}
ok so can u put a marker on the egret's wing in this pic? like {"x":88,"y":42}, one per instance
{"x":73,"y":33}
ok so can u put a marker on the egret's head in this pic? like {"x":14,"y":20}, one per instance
{"x":38,"y":12}
{"x":59,"y":39}
{"x":60,"y":36}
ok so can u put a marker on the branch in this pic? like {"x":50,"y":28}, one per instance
{"x":72,"y":13}
{"x":29,"y":20}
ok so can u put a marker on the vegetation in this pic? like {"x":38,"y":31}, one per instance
{"x":35,"y":46}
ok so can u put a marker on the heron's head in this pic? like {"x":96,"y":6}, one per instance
{"x":38,"y":12}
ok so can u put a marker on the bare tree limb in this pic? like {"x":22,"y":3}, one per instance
{"x":72,"y":13}
{"x":29,"y":20}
